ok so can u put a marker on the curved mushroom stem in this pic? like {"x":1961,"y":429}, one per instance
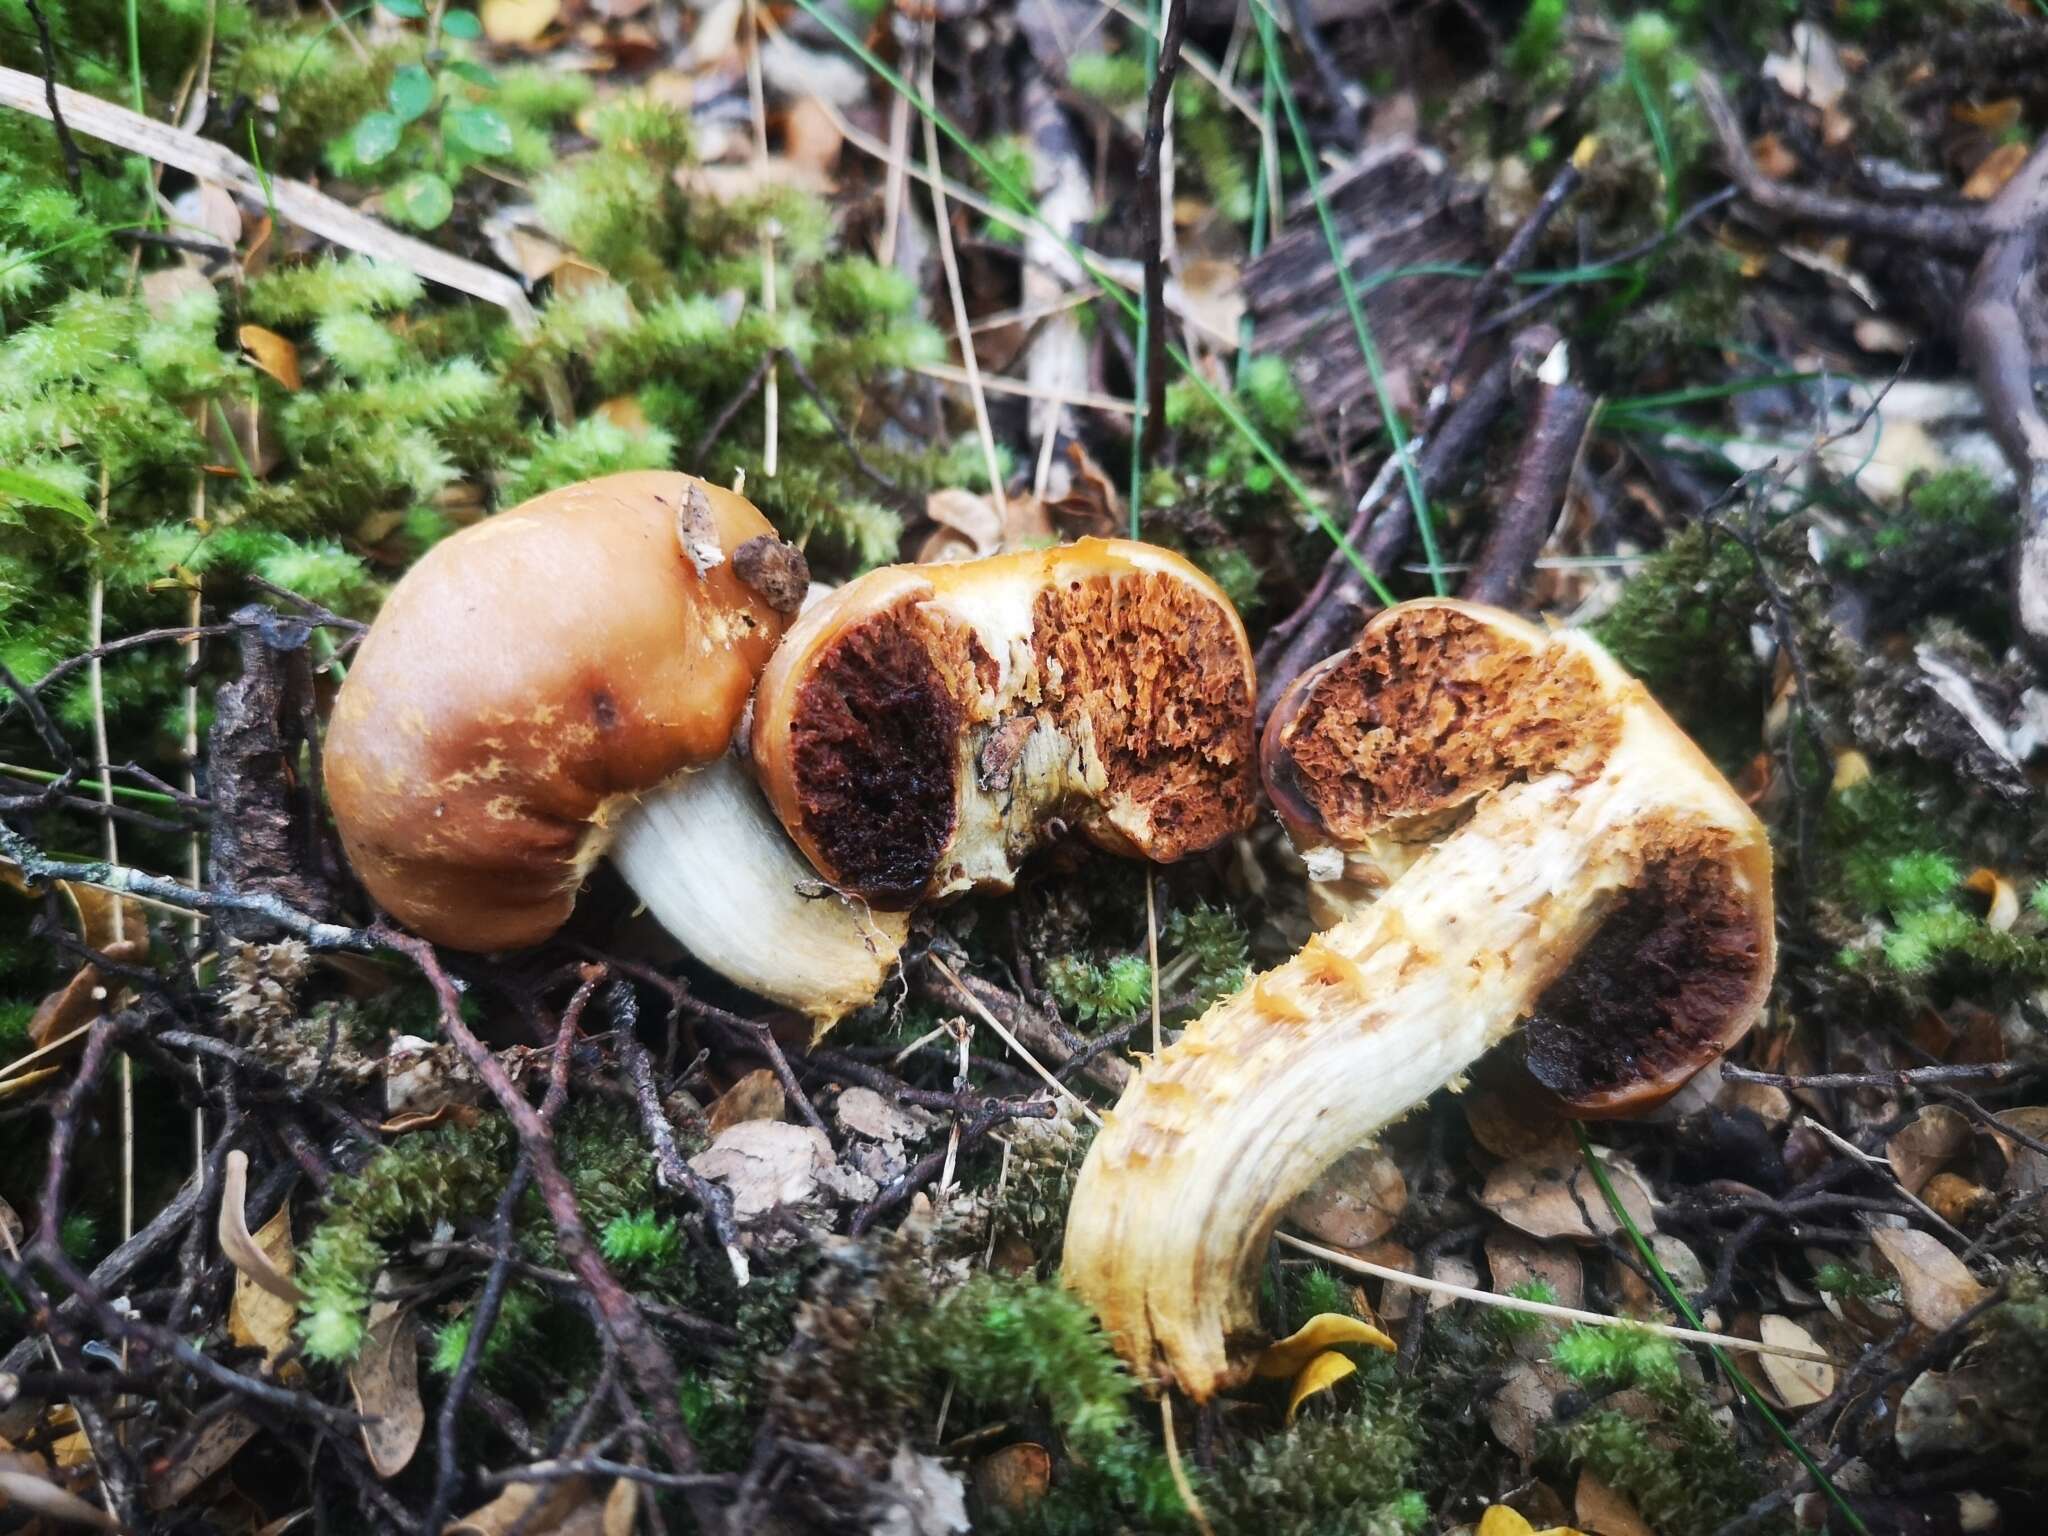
{"x":716,"y":870}
{"x":1515,"y":914}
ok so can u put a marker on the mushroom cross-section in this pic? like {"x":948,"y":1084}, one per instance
{"x":925,"y":727}
{"x":563,"y":681}
{"x":1549,"y":850}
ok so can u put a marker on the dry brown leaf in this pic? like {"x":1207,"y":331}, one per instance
{"x":1936,"y":1286}
{"x":1014,"y":1478}
{"x":1772,"y":158}
{"x":1797,"y":1383}
{"x":757,"y":1096}
{"x":163,"y":288}
{"x":207,"y":206}
{"x":525,"y":1507}
{"x":1355,"y":1203}
{"x":1394,"y":1299}
{"x":1546,"y":1196}
{"x":866,"y":1113}
{"x":1921,"y":1149}
{"x":811,"y":136}
{"x":1599,"y":1511}
{"x":1956,"y":1200}
{"x":81,"y":999}
{"x":1811,"y":71}
{"x":1211,"y":295}
{"x":2026,"y":1171}
{"x":1525,"y":1406}
{"x":1995,"y":117}
{"x":1092,"y":507}
{"x":1509,"y":1121}
{"x":531,"y":256}
{"x":271,"y":353}
{"x":968,"y":527}
{"x":218,"y":1442}
{"x":1994,"y":171}
{"x":767,"y":1163}
{"x":258,"y":1318}
{"x":385,"y":1380}
{"x":1518,"y":1259}
{"x":518,"y":21}
{"x":250,"y":1260}
{"x":621,"y":1507}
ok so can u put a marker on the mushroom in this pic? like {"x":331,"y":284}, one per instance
{"x":925,"y":727}
{"x":562,"y":682}
{"x":1548,"y":850}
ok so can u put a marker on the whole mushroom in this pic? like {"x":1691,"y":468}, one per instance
{"x":1547,"y":850}
{"x":925,"y":727}
{"x":562,"y":682}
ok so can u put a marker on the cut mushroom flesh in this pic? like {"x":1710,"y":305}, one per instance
{"x":1547,"y":848}
{"x":925,"y":727}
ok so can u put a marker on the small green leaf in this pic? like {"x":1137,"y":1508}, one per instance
{"x":480,"y":130}
{"x":411,"y":93}
{"x":422,"y":200}
{"x":38,"y":492}
{"x":412,"y":10}
{"x":376,"y":136}
{"x":467,"y":69}
{"x":462,"y":24}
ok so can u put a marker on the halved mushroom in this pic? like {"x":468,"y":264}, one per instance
{"x":925,"y":727}
{"x":563,"y":681}
{"x":1549,"y":850}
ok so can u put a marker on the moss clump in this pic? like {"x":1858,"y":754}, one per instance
{"x":434,"y":1175}
{"x":641,"y":1241}
{"x":1683,"y":1472}
{"x":1347,"y":1472}
{"x":1682,"y":626}
{"x":1100,"y":994}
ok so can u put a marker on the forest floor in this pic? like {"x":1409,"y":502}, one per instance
{"x":1709,"y":330}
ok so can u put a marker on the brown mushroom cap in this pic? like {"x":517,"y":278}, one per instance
{"x":1378,"y":752}
{"x":925,"y":726}
{"x":528,"y":676}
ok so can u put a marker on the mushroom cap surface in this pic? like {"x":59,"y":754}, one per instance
{"x":924,"y":727}
{"x":1379,"y":752}
{"x":524,"y":679}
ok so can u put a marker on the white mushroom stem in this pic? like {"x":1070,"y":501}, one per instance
{"x":715,"y":868}
{"x":1182,"y":1190}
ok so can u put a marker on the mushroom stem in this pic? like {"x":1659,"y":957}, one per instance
{"x":1513,"y":915}
{"x":708,"y":858}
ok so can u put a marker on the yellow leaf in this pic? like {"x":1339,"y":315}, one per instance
{"x":1321,"y":1332}
{"x":271,"y":353}
{"x":1502,"y":1521}
{"x":518,"y":21}
{"x":1319,"y":1375}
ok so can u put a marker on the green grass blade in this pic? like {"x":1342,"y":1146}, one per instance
{"x":1004,"y":184}
{"x":1396,"y":435}
{"x":1649,"y":1258}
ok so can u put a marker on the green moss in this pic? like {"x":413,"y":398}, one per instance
{"x":641,"y":1240}
{"x":1100,"y":994}
{"x":441,"y":1174}
{"x":1536,"y":52}
{"x":514,"y":1332}
{"x":1332,"y":1474}
{"x":1682,"y":626}
{"x":1113,"y":79}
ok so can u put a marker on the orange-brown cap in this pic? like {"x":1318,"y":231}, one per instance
{"x":529,"y":677}
{"x":925,"y":727}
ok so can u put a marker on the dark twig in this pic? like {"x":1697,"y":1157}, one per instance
{"x":1151,"y":225}
{"x":1909,"y":1078}
{"x":732,"y":408}
{"x":484,"y":1317}
{"x":669,"y":1168}
{"x":1961,"y":229}
{"x":74,"y":157}
{"x":613,"y":1305}
{"x":1559,"y":415}
{"x":919,"y":1173}
{"x":895,"y":494}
